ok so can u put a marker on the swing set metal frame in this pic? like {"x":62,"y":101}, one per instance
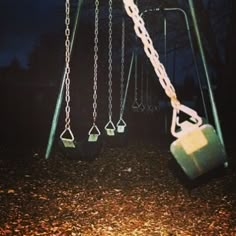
{"x":193,"y":138}
{"x":197,"y":149}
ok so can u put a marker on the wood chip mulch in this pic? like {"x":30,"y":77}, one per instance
{"x":130,"y":190}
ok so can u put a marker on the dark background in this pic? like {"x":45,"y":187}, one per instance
{"x":32,"y":65}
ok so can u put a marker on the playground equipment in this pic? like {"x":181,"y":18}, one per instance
{"x":110,"y":127}
{"x":164,"y":12}
{"x":148,"y":93}
{"x":61,"y":91}
{"x":197,"y":149}
{"x":71,"y":146}
{"x":121,"y":123}
{"x":136,"y":104}
{"x":94,"y":132}
{"x":67,"y":136}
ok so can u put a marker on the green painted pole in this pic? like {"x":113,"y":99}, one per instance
{"x":61,"y":91}
{"x":209,"y":85}
{"x":127,"y":86}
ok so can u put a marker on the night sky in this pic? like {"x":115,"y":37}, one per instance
{"x":21,"y":24}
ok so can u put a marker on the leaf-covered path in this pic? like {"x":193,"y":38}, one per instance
{"x":132,"y":190}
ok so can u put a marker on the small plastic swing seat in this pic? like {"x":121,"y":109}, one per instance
{"x":150,"y":108}
{"x":121,"y":129}
{"x":93,"y":138}
{"x":110,"y":132}
{"x":199,"y":151}
{"x":67,"y":138}
{"x":135,"y":106}
{"x":141,"y":107}
{"x":68,"y":143}
{"x":110,"y":128}
{"x":121,"y":126}
{"x":93,"y":133}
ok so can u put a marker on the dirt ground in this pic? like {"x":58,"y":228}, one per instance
{"x":132,"y":190}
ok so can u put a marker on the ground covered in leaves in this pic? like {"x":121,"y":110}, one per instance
{"x":131,"y":190}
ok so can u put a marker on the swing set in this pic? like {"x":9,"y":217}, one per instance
{"x":198,"y":148}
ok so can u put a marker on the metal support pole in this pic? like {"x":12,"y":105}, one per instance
{"x":165,"y":63}
{"x":174,"y":62}
{"x":61,"y":91}
{"x":165,"y":41}
{"x":209,"y":85}
{"x":127,"y":86}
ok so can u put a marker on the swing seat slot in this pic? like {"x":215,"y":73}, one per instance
{"x":199,"y":151}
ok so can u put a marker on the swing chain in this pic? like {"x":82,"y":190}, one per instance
{"x":140,"y":30}
{"x":95,"y":62}
{"x":67,"y":141}
{"x":109,"y":127}
{"x":110,"y":61}
{"x":122,"y":63}
{"x":136,"y":78}
{"x":94,"y":132}
{"x":67,"y":61}
{"x":135,"y":104}
{"x":133,"y":11}
{"x":147,"y":90}
{"x":121,"y":123}
{"x":142,"y":106}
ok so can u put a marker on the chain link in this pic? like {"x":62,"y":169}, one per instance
{"x":67,"y":66}
{"x":147,"y":89}
{"x":122,"y":63}
{"x":142,"y":86}
{"x":139,"y":27}
{"x":95,"y":62}
{"x":110,"y":61}
{"x":136,"y":77}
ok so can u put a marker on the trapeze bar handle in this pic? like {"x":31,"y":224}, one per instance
{"x":185,"y":126}
{"x":121,"y":126}
{"x":110,"y":128}
{"x":69,"y":140}
{"x":93,"y":133}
